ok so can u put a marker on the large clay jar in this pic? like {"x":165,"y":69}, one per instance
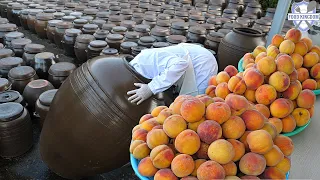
{"x":231,"y":51}
{"x":100,"y":116}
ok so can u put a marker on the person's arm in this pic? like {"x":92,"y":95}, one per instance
{"x":175,"y":69}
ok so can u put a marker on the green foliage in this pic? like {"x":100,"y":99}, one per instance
{"x":268,"y":4}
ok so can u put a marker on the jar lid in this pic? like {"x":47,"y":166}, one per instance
{"x":197,"y":17}
{"x":35,"y":11}
{"x":91,"y":11}
{"x":138,"y":48}
{"x":109,"y":51}
{"x":88,"y":18}
{"x":176,"y":39}
{"x":85,"y":38}
{"x":90,"y":26}
{"x":250,"y":16}
{"x":142,"y":28}
{"x":163,"y":23}
{"x":34,"y":48}
{"x":5,"y":52}
{"x":154,"y":8}
{"x":208,"y":26}
{"x":164,"y":16}
{"x":70,"y":5}
{"x":108,"y":26}
{"x":224,"y":31}
{"x":102,"y":14}
{"x":93,"y":3}
{"x":119,"y":29}
{"x":214,"y":8}
{"x":4,"y":85}
{"x":115,"y":18}
{"x":126,"y":11}
{"x":80,"y":21}
{"x":128,"y":23}
{"x":132,"y":35}
{"x":8,"y":27}
{"x":147,"y":39}
{"x":44,"y":56}
{"x":64,"y":25}
{"x":61,"y":69}
{"x":216,"y":34}
{"x":150,"y":13}
{"x":169,"y":12}
{"x":128,"y":45}
{"x":207,"y":16}
{"x":13,"y":35}
{"x":49,"y":11}
{"x":160,"y":31}
{"x":54,"y":22}
{"x":10,"y":4}
{"x":224,"y":20}
{"x":80,"y":8}
{"x":167,"y":7}
{"x":137,"y":10}
{"x":10,"y":111}
{"x":73,"y":32}
{"x":99,"y":22}
{"x":180,"y":25}
{"x":98,"y":44}
{"x":230,"y":11}
{"x":18,"y":6}
{"x":230,"y":25}
{"x":263,"y":22}
{"x":8,"y":96}
{"x":156,"y":3}
{"x":195,"y":12}
{"x":144,"y":5}
{"x":44,"y":16}
{"x":68,"y":18}
{"x":46,"y":97}
{"x":21,"y":73}
{"x":39,"y":83}
{"x":150,"y":18}
{"x":115,"y":8}
{"x":115,"y":37}
{"x":138,"y":15}
{"x":254,"y":5}
{"x":102,"y":32}
{"x":236,"y":1}
{"x":10,"y":62}
{"x":66,"y":11}
{"x":160,"y":44}
{"x":182,"y":9}
{"x":58,"y":14}
{"x":20,"y":43}
{"x":181,"y":13}
{"x":197,"y":30}
{"x":24,"y":12}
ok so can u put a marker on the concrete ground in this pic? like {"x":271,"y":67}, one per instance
{"x":30,"y":166}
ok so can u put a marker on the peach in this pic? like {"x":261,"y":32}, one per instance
{"x":315,"y":49}
{"x":293,"y":90}
{"x":274,"y":156}
{"x":221,"y":151}
{"x":309,"y":84}
{"x":272,"y":51}
{"x":146,"y":167}
{"x":139,"y":149}
{"x":252,"y":164}
{"x":210,"y":91}
{"x":310,"y":59}
{"x":233,"y":128}
{"x":187,"y":142}
{"x":239,"y":149}
{"x":149,"y":124}
{"x":194,"y":126}
{"x":258,"y":50}
{"x":273,"y":173}
{"x":135,"y":128}
{"x":163,"y":115}
{"x":301,"y":48}
{"x":231,"y":70}
{"x":197,"y":164}
{"x":145,"y":118}
{"x":277,"y":124}
{"x":207,"y":100}
{"x":277,"y":40}
{"x":301,"y":115}
{"x":189,"y":178}
{"x":271,"y":129}
{"x":260,"y":56}
{"x":285,"y":144}
{"x":303,"y":74}
{"x":246,"y":62}
{"x":253,"y":119}
{"x":140,"y":134}
{"x":281,"y":108}
{"x":209,"y":131}
{"x":253,"y":79}
{"x":294,"y":75}
{"x":178,"y":103}
{"x":230,"y":168}
{"x":158,"y":127}
{"x":203,"y":151}
{"x":293,"y":35}
{"x":222,"y":77}
{"x":285,"y":64}
{"x":287,"y":47}
{"x":219,"y":112}
{"x":297,"y":60}
{"x":192,"y":109}
{"x":161,"y":156}
{"x":315,"y":71}
{"x":243,"y":139}
{"x":156,"y":137}
{"x":250,"y":95}
{"x":218,"y":99}
{"x":249,"y":177}
{"x":306,"y":99}
{"x":265,"y":94}
{"x":308,"y":42}
{"x":165,"y":174}
{"x":232,"y":177}
{"x":155,"y":112}
{"x":237,"y":85}
{"x":249,"y":65}
{"x":182,"y":165}
{"x":267,"y":65}
{"x":213,"y":80}
{"x":311,"y":111}
{"x":259,"y":141}
{"x":210,"y":170}
{"x":284,"y":165}
{"x":222,"y":90}
{"x":240,"y":74}
{"x":248,"y":56}
{"x":174,"y":125}
{"x":237,"y":103}
{"x":263,"y":109}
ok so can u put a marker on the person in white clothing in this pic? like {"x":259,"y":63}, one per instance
{"x":187,"y":66}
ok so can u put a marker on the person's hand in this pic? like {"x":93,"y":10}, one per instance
{"x":141,"y":94}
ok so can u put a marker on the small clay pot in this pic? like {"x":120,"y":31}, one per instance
{"x":114,"y":40}
{"x":176,"y":39}
{"x":209,"y":27}
{"x":59,"y":72}
{"x":119,"y":30}
{"x":109,"y":52}
{"x":51,"y":29}
{"x":68,"y":18}
{"x":43,"y":104}
{"x":95,"y":47}
{"x":137,"y":49}
{"x":79,"y":23}
{"x":32,"y":19}
{"x":58,"y":15}
{"x":80,"y":46}
{"x":6,"y":53}
{"x":42,"y":23}
{"x":137,"y":17}
{"x":196,"y":19}
{"x":20,"y":76}
{"x":160,"y":34}
{"x":146,"y":41}
{"x":18,"y":46}
{"x":128,"y":24}
{"x":132,"y":37}
{"x":196,"y":34}
{"x":253,"y":8}
{"x":213,"y":40}
{"x":101,"y":34}
{"x":42,"y":63}
{"x":30,"y":50}
{"x":163,"y":24}
{"x":114,"y":19}
{"x":90,"y":28}
{"x":16,"y":10}
{"x":11,"y":36}
{"x":76,"y":14}
{"x":69,"y":40}
{"x":163,"y":17}
{"x":7,"y":63}
{"x":160,"y":44}
{"x":143,"y":30}
{"x":125,"y":47}
{"x":151,"y":21}
{"x":60,"y":29}
{"x":4,"y":84}
{"x":12,"y":96}
{"x":179,"y":28}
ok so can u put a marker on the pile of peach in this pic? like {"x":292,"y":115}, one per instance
{"x":209,"y":138}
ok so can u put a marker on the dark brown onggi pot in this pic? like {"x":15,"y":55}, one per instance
{"x":60,"y":29}
{"x":59,"y":72}
{"x":109,"y":52}
{"x":33,"y":90}
{"x":4,"y":84}
{"x":30,"y":50}
{"x":160,"y":44}
{"x":176,"y":39}
{"x":43,"y":104}
{"x":42,"y":23}
{"x":7,"y":63}
{"x":69,"y":40}
{"x":254,"y":8}
{"x":231,"y":51}
{"x":100,"y":116}
{"x":80,"y":46}
{"x":15,"y":130}
{"x":20,"y":76}
{"x":12,"y":96}
{"x":95,"y":47}
{"x":18,"y":46}
{"x":114,"y":40}
{"x":125,"y":47}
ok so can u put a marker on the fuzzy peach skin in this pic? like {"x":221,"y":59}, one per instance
{"x":263,"y":109}
{"x":303,"y":74}
{"x":274,"y":173}
{"x":230,"y":168}
{"x":222,"y":90}
{"x":253,"y":79}
{"x":297,"y":60}
{"x":293,"y":35}
{"x":231,"y":70}
{"x":285,"y":144}
{"x":237,"y":103}
{"x":265,"y":94}
{"x":246,"y":62}
{"x":165,"y":174}
{"x":285,"y":64}
{"x":308,"y":42}
{"x":253,"y":119}
{"x":293,"y":90}
{"x":280,"y":81}
{"x":233,"y":128}
{"x":139,"y":149}
{"x":221,"y":151}
{"x":306,"y":99}
{"x":288,"y":124}
{"x":309,"y":84}
{"x":271,"y":129}
{"x":194,"y":126}
{"x":155,"y":112}
{"x":146,"y":167}
{"x":145,"y":118}
{"x":315,"y":49}
{"x":243,"y":140}
{"x":210,"y":170}
{"x":174,"y":125}
{"x":284,"y":165}
{"x":213,"y":80}
{"x":277,"y":40}
{"x":149,"y":124}
{"x":222,"y":77}
{"x":267,"y":65}
{"x":277,"y":124}
{"x":301,"y":115}
{"x":250,"y":95}
{"x":237,"y":85}
{"x":182,"y":165}
{"x":157,"y":137}
{"x":192,"y":109}
{"x":219,"y":112}
{"x":272,"y":51}
{"x":259,"y":141}
{"x":140,"y":134}
{"x":232,"y":177}
{"x":211,"y":90}
{"x":161,"y":156}
{"x":258,"y":50}
{"x":189,"y":178}
{"x":315,"y":71}
{"x":209,"y":131}
{"x":178,"y":103}
{"x":260,"y":56}
{"x":252,"y":164}
{"x":135,"y":128}
{"x":207,"y":100}
{"x":163,"y":115}
{"x":301,"y":48}
{"x":187,"y":142}
{"x":274,"y":156}
{"x":310,"y":59}
{"x":281,"y":108}
{"x":294,"y":75}
{"x":287,"y":47}
{"x":197,"y":164}
{"x":202,"y":153}
{"x":239,"y":149}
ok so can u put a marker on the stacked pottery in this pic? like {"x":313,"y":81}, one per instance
{"x":6,"y":28}
{"x":231,"y":51}
{"x":163,"y":24}
{"x":31,"y":20}
{"x":114,"y":40}
{"x":99,"y":107}
{"x":79,"y":23}
{"x":7,"y":63}
{"x":146,"y":41}
{"x":160,"y":34}
{"x":263,"y":25}
{"x":99,"y":22}
{"x":30,"y":50}
{"x":196,"y":34}
{"x":43,"y":104}
{"x":129,"y":24}
{"x":119,"y":30}
{"x":80,"y":46}
{"x":132,"y":37}
{"x":20,"y":76}
{"x":11,"y":36}
{"x":151,"y":21}
{"x":101,"y":34}
{"x":213,"y":40}
{"x":59,"y":72}
{"x":125,"y":47}
{"x":161,"y":44}
{"x":90,"y":28}
{"x":231,"y":14}
{"x":95,"y":47}
{"x":176,"y":39}
{"x":16,"y":10}
{"x":137,"y":17}
{"x":18,"y":46}
{"x":196,"y":19}
{"x":179,"y":28}
{"x":69,"y":40}
{"x":137,"y":49}
{"x":237,"y":5}
{"x":114,"y":19}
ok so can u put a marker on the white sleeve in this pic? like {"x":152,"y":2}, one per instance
{"x":170,"y":75}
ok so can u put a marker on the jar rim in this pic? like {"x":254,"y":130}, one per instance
{"x":248,"y":31}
